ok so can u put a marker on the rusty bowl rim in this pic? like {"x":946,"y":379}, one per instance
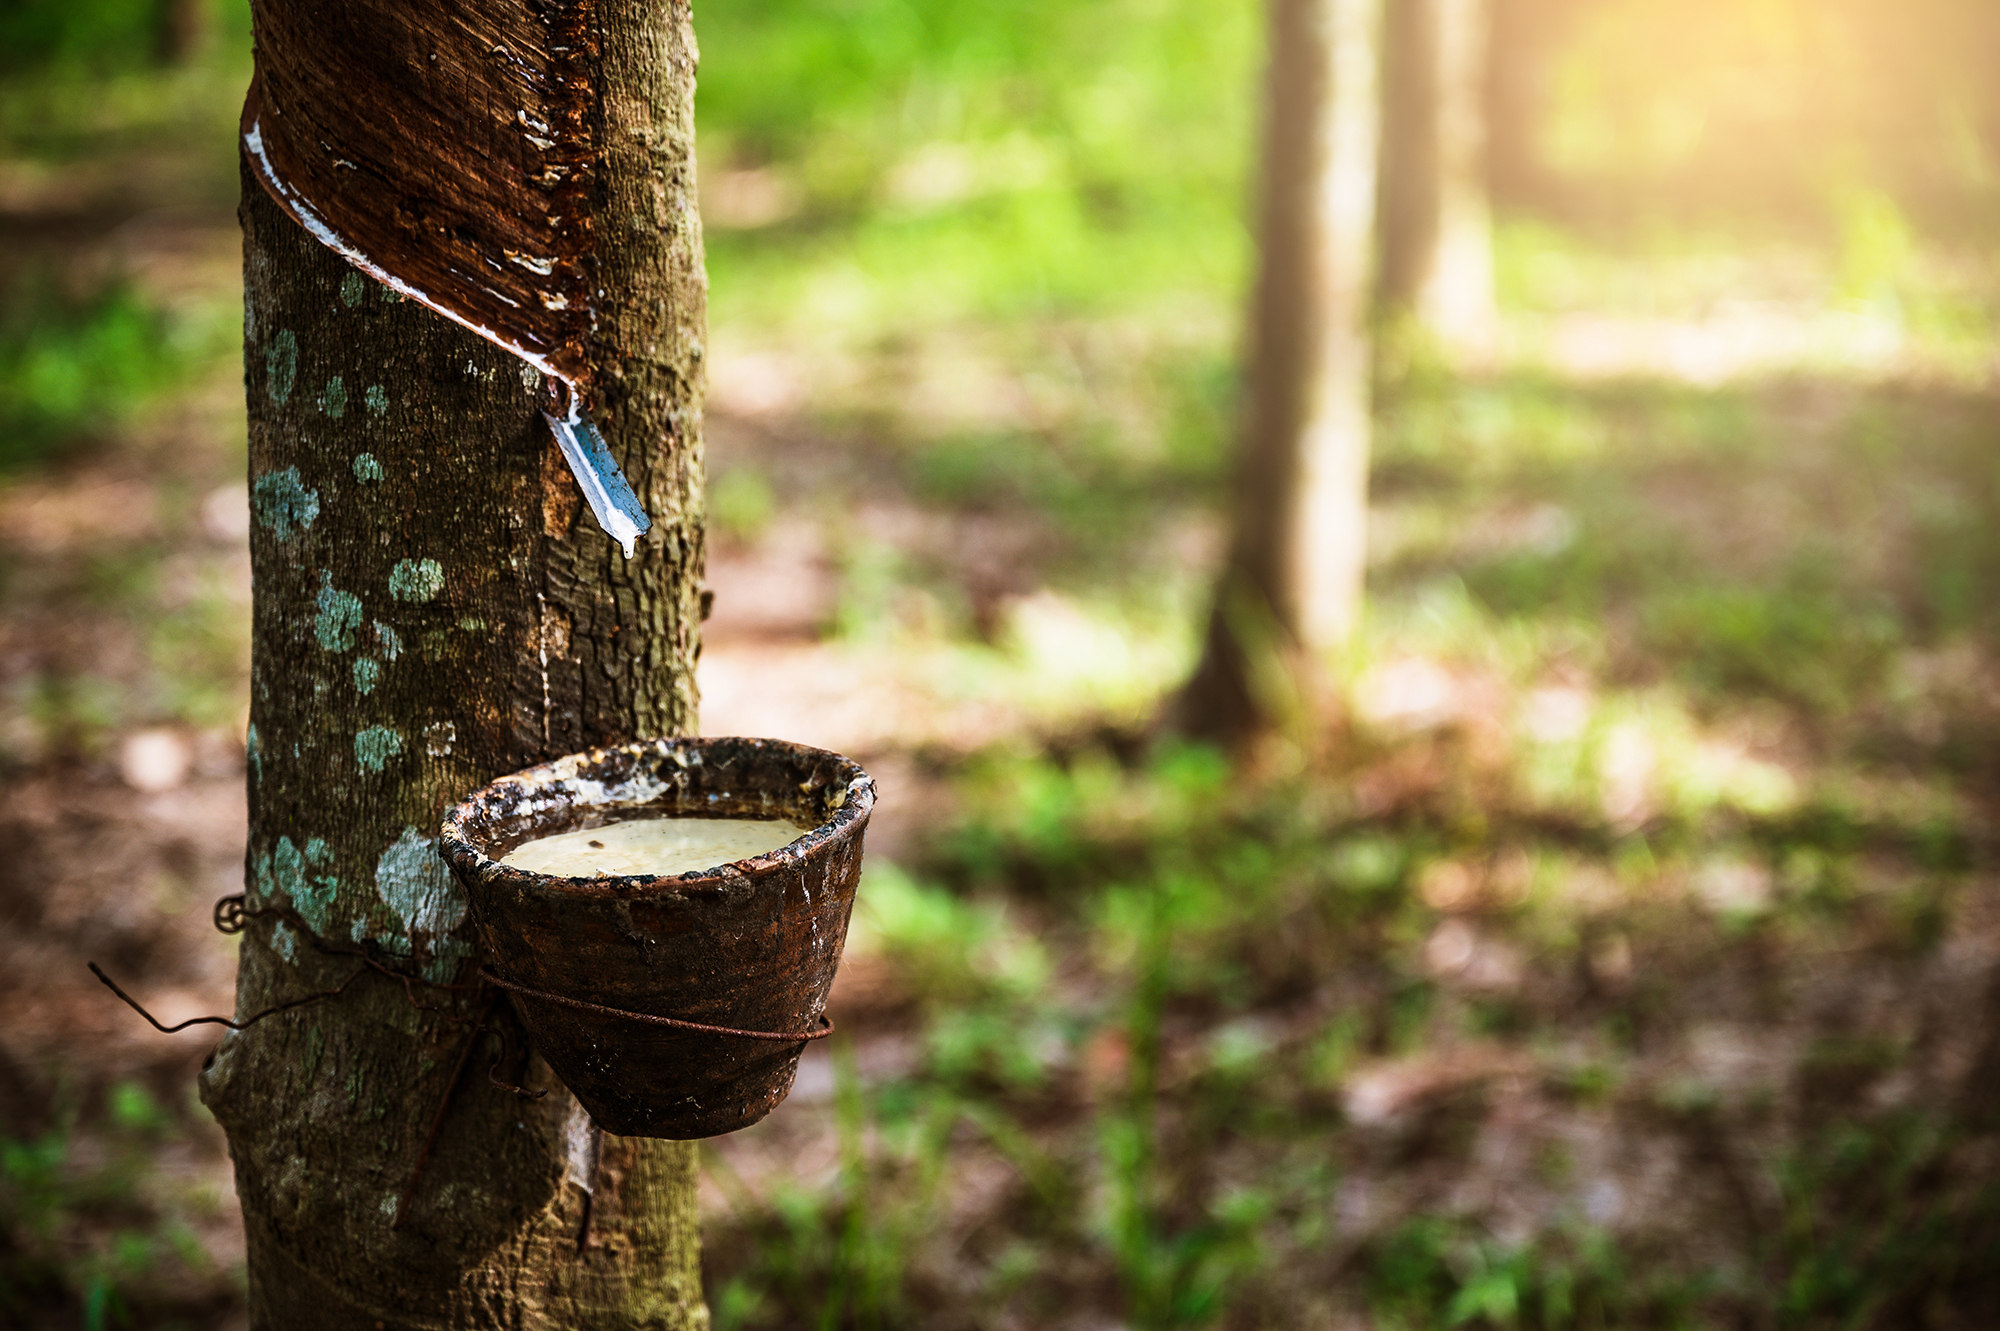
{"x":464,"y":855}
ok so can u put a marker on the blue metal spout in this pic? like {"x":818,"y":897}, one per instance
{"x":610,"y":495}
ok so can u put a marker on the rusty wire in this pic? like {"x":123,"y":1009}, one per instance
{"x":232,"y":1024}
{"x":232,"y":915}
{"x":437,"y":1118}
{"x":824,"y":1029}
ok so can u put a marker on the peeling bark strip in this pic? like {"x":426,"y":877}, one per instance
{"x":428,"y":616}
{"x":446,"y":148}
{"x":466,"y":155}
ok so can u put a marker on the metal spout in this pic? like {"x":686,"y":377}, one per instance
{"x":610,"y":495}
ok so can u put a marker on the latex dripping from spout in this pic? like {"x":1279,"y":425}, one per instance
{"x":597,"y":473}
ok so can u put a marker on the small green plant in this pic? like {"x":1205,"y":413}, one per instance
{"x":948,"y":951}
{"x":1431,"y":1274}
{"x":1173,"y":1274}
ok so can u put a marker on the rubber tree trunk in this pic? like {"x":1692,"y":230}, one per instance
{"x":434,"y":607}
{"x":1291,"y":588}
{"x":1437,"y":230}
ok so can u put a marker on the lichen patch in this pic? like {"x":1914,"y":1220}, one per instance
{"x":280,"y":502}
{"x":375,"y":746}
{"x":416,"y":580}
{"x":281,"y":366}
{"x":413,"y":882}
{"x":339,"y":615}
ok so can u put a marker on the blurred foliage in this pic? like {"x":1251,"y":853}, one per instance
{"x":1874,"y":1224}
{"x":100,"y":80}
{"x":740,"y":503}
{"x":1782,"y":540}
{"x":200,"y":650}
{"x":71,"y":366}
{"x":1775,"y":110}
{"x":1123,"y":101}
{"x":1432,"y":1273}
{"x":840,"y":1258}
{"x":156,"y":83}
{"x":81,"y":35}
{"x":86,"y":1228}
{"x":973,"y":160}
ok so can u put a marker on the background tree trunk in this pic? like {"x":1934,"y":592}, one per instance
{"x":1437,"y":230}
{"x":1524,"y":40}
{"x":1294,"y":571}
{"x":433,"y":608}
{"x":184,"y":28}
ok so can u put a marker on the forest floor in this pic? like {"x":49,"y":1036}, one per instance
{"x":1617,"y":944}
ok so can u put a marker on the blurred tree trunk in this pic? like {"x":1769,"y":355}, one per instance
{"x":430,"y":612}
{"x":1437,"y":233}
{"x":1525,"y":39}
{"x":184,"y":28}
{"x":1291,"y":587}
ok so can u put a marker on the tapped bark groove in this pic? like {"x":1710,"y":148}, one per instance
{"x":432,"y":609}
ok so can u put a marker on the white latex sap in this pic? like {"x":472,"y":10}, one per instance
{"x":652,"y":846}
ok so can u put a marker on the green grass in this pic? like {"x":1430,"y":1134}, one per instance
{"x":1785,"y":540}
{"x":1435,"y":1274}
{"x":1195,"y":919}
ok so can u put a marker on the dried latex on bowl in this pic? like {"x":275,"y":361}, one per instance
{"x":446,"y":149}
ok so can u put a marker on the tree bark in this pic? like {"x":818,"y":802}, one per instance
{"x":1437,"y":230}
{"x":430,"y":612}
{"x":1291,"y":587}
